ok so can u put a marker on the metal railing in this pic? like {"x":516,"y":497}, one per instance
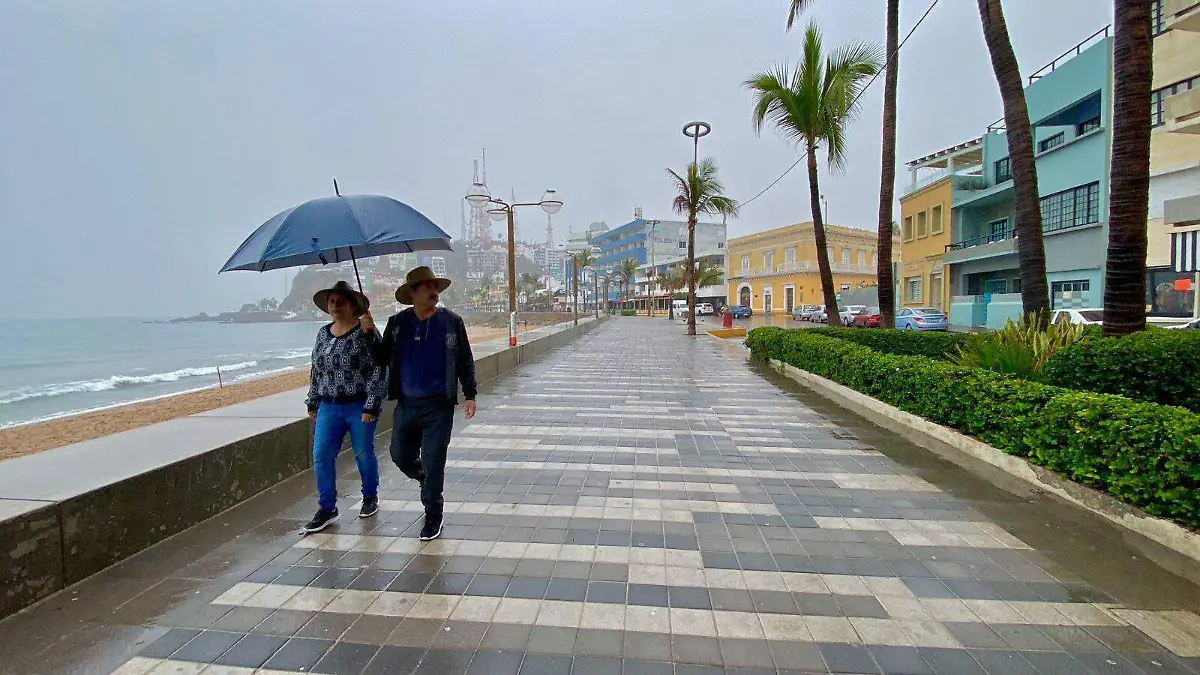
{"x":982,"y":241}
{"x":1070,"y":53}
{"x":804,"y":266}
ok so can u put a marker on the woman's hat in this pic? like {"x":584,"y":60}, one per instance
{"x":321,"y":297}
{"x":415,"y":278}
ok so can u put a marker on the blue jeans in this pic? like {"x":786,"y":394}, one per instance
{"x":333,"y":421}
{"x":420,"y":436}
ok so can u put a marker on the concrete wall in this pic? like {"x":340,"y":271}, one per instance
{"x":68,"y":513}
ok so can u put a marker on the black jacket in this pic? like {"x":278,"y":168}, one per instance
{"x":460,"y":363}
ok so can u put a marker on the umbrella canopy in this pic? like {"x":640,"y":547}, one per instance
{"x":337,"y":229}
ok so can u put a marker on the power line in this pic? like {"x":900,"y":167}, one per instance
{"x":891,"y":56}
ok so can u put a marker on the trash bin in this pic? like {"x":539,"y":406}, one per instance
{"x":727,"y":319}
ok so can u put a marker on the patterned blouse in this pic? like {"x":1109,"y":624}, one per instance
{"x":344,"y":371}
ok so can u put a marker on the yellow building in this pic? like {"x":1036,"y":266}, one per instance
{"x":925,"y":232}
{"x":1174,"y":151}
{"x":776,"y":270}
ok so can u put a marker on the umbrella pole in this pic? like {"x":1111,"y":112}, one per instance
{"x":356,"y":277}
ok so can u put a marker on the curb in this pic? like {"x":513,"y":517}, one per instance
{"x":1183,"y":545}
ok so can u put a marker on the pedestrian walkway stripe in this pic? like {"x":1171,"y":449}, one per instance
{"x":929,"y":532}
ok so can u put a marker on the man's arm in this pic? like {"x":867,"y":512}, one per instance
{"x":383,"y":344}
{"x":465,"y":366}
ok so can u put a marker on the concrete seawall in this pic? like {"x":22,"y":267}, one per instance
{"x":67,"y":513}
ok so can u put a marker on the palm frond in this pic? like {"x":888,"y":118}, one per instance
{"x":797,"y":8}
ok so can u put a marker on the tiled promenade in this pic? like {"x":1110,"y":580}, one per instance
{"x":637,"y":502}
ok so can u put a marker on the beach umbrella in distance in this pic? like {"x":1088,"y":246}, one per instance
{"x":337,"y":229}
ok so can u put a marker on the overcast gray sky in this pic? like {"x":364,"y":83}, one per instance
{"x":140,"y":142}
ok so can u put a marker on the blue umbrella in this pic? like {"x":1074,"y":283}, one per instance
{"x":336,"y":229}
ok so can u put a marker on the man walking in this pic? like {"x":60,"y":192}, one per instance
{"x":426,"y":350}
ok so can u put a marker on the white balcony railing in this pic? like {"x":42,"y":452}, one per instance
{"x":803,"y":267}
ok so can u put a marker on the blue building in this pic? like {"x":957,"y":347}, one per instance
{"x":1070,"y":104}
{"x":656,"y":254}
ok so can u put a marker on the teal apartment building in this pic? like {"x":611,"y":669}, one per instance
{"x":1070,"y":108}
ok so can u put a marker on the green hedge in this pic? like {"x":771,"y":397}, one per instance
{"x":935,"y":345}
{"x":1159,"y":366}
{"x":1143,"y":453}
{"x":629,"y":312}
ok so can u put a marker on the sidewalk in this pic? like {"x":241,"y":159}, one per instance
{"x":637,"y":502}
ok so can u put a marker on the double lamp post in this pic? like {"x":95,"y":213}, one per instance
{"x":479,"y":197}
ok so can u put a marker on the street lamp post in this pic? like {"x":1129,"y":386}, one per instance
{"x":652,"y":272}
{"x":574,"y":283}
{"x":479,"y":198}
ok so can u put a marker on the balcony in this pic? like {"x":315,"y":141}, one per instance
{"x":989,"y":246}
{"x":1183,"y":112}
{"x":1182,"y":15}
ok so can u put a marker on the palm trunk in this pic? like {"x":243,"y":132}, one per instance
{"x":1031,"y":254}
{"x":814,"y":195}
{"x":1129,"y":177}
{"x":887,"y":181}
{"x":691,"y":273}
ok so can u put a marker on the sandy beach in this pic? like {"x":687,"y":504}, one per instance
{"x":31,"y":438}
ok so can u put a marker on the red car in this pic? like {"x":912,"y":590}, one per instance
{"x":869,"y":318}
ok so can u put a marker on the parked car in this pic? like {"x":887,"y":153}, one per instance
{"x":704,"y":309}
{"x":680,"y":307}
{"x":814,"y":312}
{"x":921,"y":318}
{"x":802,"y":312}
{"x":868,"y":318}
{"x":741,"y":312}
{"x":1194,"y":324}
{"x":849,"y":312}
{"x":1086,"y":317}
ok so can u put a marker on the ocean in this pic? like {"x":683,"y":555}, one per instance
{"x":55,"y":367}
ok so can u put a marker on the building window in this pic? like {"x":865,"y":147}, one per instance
{"x":997,"y":230}
{"x":862,"y":258}
{"x":914,"y":289}
{"x":1052,"y":142}
{"x":935,"y":220}
{"x":1158,"y":23}
{"x":845,"y":256}
{"x":1003,"y":170}
{"x":745,"y":262}
{"x":1087,"y":125}
{"x":769,"y":260}
{"x":789,"y":255}
{"x":683,"y":244}
{"x":996,"y":286}
{"x":908,"y":231}
{"x":1068,"y":291}
{"x":922,"y":225}
{"x":1071,"y":208}
{"x":1157,"y":113}
{"x":720,"y":244}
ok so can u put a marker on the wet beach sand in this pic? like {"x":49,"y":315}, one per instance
{"x":32,"y":438}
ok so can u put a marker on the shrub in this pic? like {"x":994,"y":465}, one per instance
{"x":629,"y":312}
{"x":1143,"y":453}
{"x":1020,"y":349}
{"x":1158,"y":366}
{"x":935,"y":345}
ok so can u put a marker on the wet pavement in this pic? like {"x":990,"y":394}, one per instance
{"x":638,"y":502}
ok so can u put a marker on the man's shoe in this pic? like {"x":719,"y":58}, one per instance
{"x":370,"y":507}
{"x":432,"y":529}
{"x":322,"y":520}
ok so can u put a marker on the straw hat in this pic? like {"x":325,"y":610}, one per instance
{"x":321,"y":298}
{"x":415,"y":278}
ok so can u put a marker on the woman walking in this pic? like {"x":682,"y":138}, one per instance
{"x":345,"y":395}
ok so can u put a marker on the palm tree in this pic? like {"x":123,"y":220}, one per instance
{"x":627,"y":270}
{"x":1031,"y":254}
{"x":709,"y":275}
{"x":700,"y":192}
{"x":672,"y":280}
{"x":887,"y":173}
{"x":1129,"y":176}
{"x":527,"y":285}
{"x":812,"y":106}
{"x":583,"y":259}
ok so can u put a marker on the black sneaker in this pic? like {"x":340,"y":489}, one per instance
{"x":322,"y":520}
{"x":432,"y":529}
{"x":370,"y":507}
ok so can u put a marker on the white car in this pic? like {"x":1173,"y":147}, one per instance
{"x":704,"y":309}
{"x":1087,"y":317}
{"x":849,"y":312}
{"x":1194,"y":324}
